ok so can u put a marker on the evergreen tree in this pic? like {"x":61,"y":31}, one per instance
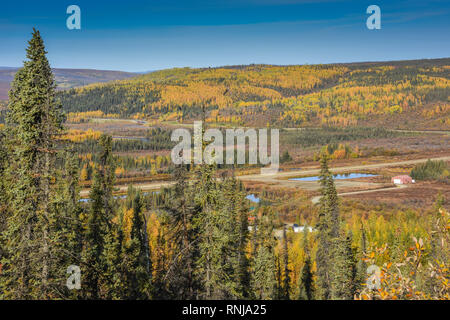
{"x":305,"y":282}
{"x":96,"y":229}
{"x":217,"y":237}
{"x":279,"y":287}
{"x":71,"y":197}
{"x":235,"y":204}
{"x":181,"y":278}
{"x":115,"y":284}
{"x":361,"y":266}
{"x":34,"y":120}
{"x":220,"y":237}
{"x":3,"y":184}
{"x":3,"y":200}
{"x":343,"y":270}
{"x":328,"y":227}
{"x":163,"y":287}
{"x":263,"y":268}
{"x":136,"y":256}
{"x":206,"y":195}
{"x":98,"y":222}
{"x":66,"y":226}
{"x":286,"y":288}
{"x":286,"y":157}
{"x":242,"y":268}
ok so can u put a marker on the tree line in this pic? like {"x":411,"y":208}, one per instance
{"x":431,"y":170}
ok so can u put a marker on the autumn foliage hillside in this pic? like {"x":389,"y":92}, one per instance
{"x":399,"y":94}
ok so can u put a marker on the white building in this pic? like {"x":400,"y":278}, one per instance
{"x":298,"y":228}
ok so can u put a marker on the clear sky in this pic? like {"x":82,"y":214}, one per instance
{"x":138,"y":35}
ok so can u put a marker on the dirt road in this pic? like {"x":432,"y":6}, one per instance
{"x":316,"y":199}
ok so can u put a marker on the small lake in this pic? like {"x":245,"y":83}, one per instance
{"x":337,"y":177}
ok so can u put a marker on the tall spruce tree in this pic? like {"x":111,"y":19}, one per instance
{"x":115,"y":283}
{"x":217,"y":237}
{"x":236,"y":208}
{"x":206,"y":197}
{"x":305,"y":281}
{"x":263,"y":267}
{"x":34,"y":119}
{"x":163,"y":287}
{"x":218,"y":223}
{"x":361,"y":265}
{"x":136,"y":256}
{"x":344,"y":270}
{"x":279,"y":277}
{"x":328,"y":230}
{"x":66,"y":227}
{"x":3,"y":200}
{"x":71,"y":199}
{"x":181,"y":278}
{"x":242,"y":262}
{"x":3,"y":184}
{"x":98,"y":222}
{"x":286,"y":288}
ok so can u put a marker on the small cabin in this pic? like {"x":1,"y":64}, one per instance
{"x":403,"y":179}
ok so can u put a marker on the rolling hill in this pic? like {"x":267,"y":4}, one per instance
{"x":398,"y":94}
{"x":65,"y":78}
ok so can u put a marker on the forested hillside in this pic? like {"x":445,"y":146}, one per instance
{"x":400,"y":94}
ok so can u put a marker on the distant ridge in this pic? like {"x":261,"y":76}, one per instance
{"x":397,"y":94}
{"x":66,"y":78}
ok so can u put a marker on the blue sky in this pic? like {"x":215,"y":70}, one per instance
{"x":137,"y":35}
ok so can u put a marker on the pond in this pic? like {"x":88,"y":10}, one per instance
{"x":337,"y":177}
